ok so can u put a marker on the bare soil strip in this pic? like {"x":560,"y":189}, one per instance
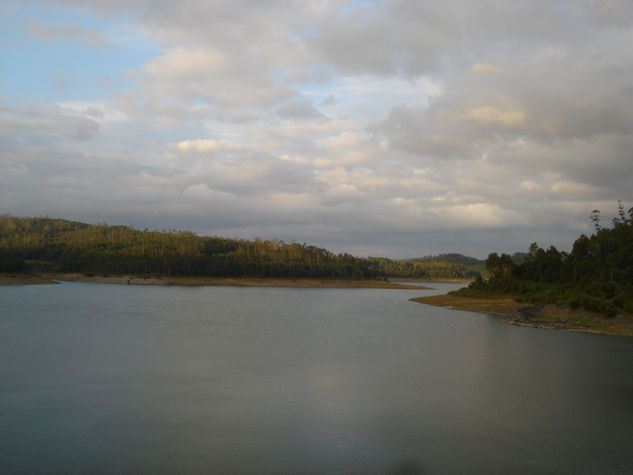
{"x":538,"y":316}
{"x":25,"y":280}
{"x":200,"y":281}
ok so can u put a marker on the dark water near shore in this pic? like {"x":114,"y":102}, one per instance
{"x":143,"y":379}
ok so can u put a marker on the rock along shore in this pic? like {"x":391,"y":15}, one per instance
{"x":537,"y":316}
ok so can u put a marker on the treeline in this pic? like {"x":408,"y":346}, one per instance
{"x":444,"y":266}
{"x":68,"y":246}
{"x":452,"y":257}
{"x":596,"y":275}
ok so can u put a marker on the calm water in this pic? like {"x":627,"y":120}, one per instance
{"x":143,"y":379}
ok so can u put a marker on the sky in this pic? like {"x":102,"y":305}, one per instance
{"x":384,"y":128}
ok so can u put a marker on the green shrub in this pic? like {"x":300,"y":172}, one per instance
{"x":608,"y":309}
{"x":12,"y":264}
{"x":592,"y":304}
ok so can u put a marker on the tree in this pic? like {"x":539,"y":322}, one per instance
{"x":499,"y":267}
{"x":595,"y":219}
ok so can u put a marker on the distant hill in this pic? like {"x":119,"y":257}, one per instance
{"x":443,"y":266}
{"x":453,"y":258}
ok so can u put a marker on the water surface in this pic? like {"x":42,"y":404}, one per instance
{"x":148,"y":379}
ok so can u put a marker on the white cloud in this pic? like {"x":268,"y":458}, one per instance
{"x":484,"y":68}
{"x":480,"y":215}
{"x":360,"y":129}
{"x":493,"y":115}
{"x":572,"y":190}
{"x":215,"y":76}
{"x":529,"y":186}
{"x":206,"y":145}
{"x":201,"y":191}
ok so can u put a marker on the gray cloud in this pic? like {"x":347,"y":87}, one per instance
{"x":40,"y":124}
{"x":299,"y":111}
{"x":451,"y":126}
{"x":71,"y":31}
{"x":329,"y":101}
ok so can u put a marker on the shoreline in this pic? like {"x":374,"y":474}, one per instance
{"x":549,"y":317}
{"x":26,"y":279}
{"x":439,"y":281}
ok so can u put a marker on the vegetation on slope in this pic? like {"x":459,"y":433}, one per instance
{"x":57,"y":245}
{"x":444,"y":266}
{"x":66,"y":246}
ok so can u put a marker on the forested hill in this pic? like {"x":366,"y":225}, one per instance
{"x":453,"y":258}
{"x":59,"y":245}
{"x":67,"y":246}
{"x":596,"y":275}
{"x":444,"y":266}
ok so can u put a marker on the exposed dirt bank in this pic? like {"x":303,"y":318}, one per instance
{"x":445,"y":281}
{"x":538,"y":316}
{"x":241,"y":282}
{"x":24,"y":279}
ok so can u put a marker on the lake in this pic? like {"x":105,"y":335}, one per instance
{"x":103,"y":378}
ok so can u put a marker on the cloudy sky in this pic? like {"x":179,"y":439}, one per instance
{"x":394,"y":128}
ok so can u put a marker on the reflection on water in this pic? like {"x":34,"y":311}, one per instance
{"x":121,"y":378}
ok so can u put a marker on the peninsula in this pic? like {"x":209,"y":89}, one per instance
{"x":589,"y":289}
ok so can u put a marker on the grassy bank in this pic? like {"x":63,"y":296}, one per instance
{"x":200,"y":281}
{"x":538,"y":316}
